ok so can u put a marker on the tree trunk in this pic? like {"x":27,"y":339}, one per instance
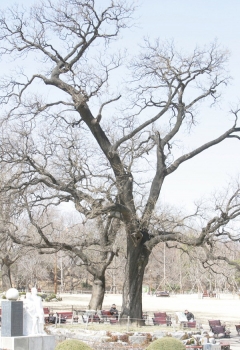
{"x":98,"y":291}
{"x":6,"y":274}
{"x":137,"y":259}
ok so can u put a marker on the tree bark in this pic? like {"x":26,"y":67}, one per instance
{"x":98,"y":291}
{"x":137,"y":259}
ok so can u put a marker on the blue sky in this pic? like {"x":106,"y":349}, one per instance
{"x":190,"y":23}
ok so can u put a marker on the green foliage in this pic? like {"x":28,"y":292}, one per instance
{"x":43,"y":296}
{"x":86,"y":285}
{"x":166,"y":343}
{"x":52,"y":297}
{"x":72,"y":344}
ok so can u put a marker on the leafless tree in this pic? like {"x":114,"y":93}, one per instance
{"x":32,"y":270}
{"x":67,"y":144}
{"x":9,"y":252}
{"x":92,"y":245}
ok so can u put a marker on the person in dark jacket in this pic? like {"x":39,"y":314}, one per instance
{"x":189,"y":315}
{"x":114,"y":310}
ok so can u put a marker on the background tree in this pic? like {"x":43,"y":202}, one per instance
{"x":68,"y":145}
{"x":9,"y":252}
{"x":33,"y":269}
{"x":92,"y":245}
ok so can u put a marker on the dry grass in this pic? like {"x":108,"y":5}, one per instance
{"x":114,"y":328}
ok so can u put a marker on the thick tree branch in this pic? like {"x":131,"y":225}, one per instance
{"x":199,"y":150}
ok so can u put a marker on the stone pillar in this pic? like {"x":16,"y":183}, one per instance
{"x":12,"y":318}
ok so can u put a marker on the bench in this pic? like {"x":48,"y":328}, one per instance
{"x":113,"y":320}
{"x":161,"y":318}
{"x":160,"y":314}
{"x":106,"y":315}
{"x":192,"y":324}
{"x":94,"y":318}
{"x":162,"y":294}
{"x":209,"y":295}
{"x":217,"y":328}
{"x":91,"y":318}
{"x":225,"y":345}
{"x":67,"y":315}
{"x":238,"y":328}
{"x":163,"y":315}
{"x":46,"y":312}
{"x":214,"y":323}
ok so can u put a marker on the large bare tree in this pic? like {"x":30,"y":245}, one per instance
{"x":68,"y":144}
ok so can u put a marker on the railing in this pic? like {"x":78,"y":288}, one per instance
{"x":87,"y":317}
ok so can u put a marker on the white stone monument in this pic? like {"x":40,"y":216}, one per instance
{"x":23,"y":323}
{"x":12,"y":315}
{"x":12,"y":294}
{"x":33,"y":315}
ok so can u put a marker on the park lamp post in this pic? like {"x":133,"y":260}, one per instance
{"x":61,"y":269}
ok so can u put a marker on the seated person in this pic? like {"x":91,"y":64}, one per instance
{"x":189,"y":315}
{"x":114,"y":311}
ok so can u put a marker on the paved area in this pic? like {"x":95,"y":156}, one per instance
{"x":235,"y":343}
